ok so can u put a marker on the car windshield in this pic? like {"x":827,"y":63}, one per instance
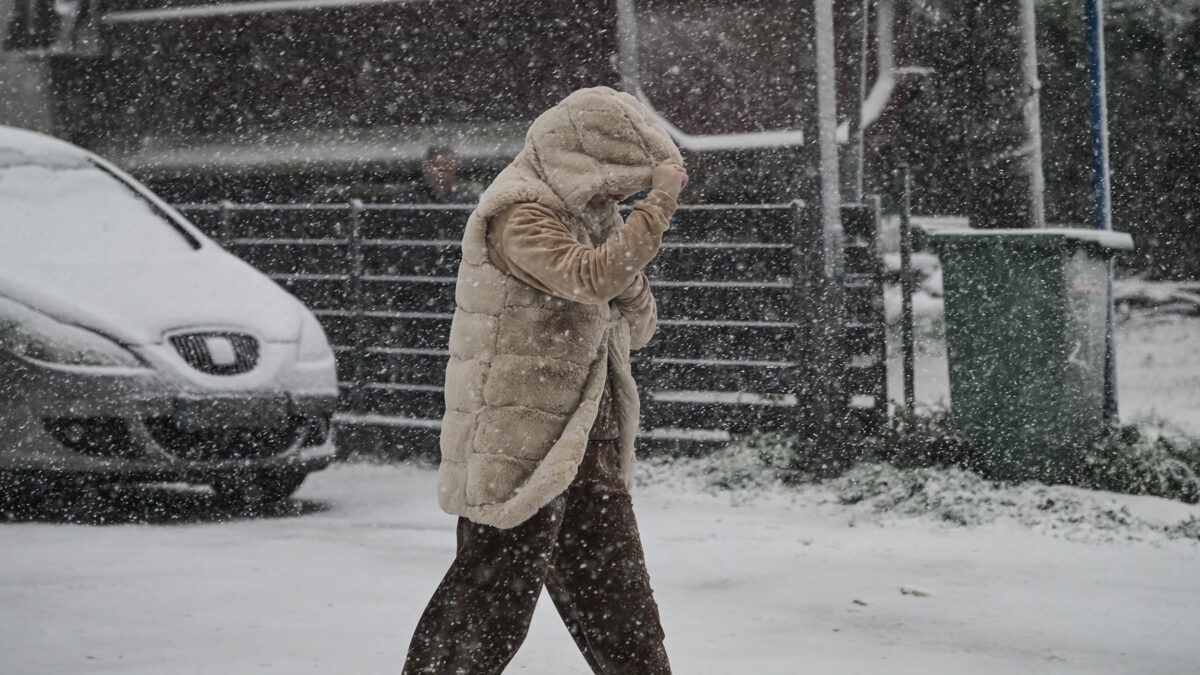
{"x":57,"y":206}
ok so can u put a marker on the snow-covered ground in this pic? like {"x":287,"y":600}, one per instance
{"x":976,"y":578}
{"x":770,"y":583}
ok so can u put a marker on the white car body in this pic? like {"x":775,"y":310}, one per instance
{"x":119,"y":319}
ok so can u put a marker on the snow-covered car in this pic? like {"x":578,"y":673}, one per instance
{"x":133,"y":348}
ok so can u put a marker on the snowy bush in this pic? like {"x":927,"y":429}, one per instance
{"x":921,"y":463}
{"x":1129,"y":460}
{"x":753,"y":462}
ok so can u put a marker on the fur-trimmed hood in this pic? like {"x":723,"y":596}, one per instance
{"x":596,"y":140}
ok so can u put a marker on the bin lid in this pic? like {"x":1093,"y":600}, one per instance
{"x":1034,"y":237}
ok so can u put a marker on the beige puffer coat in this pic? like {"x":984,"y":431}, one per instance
{"x":526,"y":368}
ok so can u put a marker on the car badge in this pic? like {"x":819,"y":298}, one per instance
{"x":220,"y":350}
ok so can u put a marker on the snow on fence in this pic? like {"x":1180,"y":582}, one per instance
{"x":753,"y":334}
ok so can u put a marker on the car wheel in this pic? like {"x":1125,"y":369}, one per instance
{"x":258,"y":488}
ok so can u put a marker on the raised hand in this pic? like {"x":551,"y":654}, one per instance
{"x":670,"y":176}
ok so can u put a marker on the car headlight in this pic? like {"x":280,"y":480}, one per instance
{"x":314,"y":346}
{"x":28,"y":333}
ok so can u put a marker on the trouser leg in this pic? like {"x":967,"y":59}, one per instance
{"x":480,"y":613}
{"x":598,"y":577}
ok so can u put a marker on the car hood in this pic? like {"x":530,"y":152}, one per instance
{"x":137,"y":301}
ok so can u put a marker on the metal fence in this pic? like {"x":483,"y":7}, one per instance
{"x":754,"y":332}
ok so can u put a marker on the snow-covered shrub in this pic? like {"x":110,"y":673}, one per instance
{"x":1129,"y":460}
{"x":920,"y":454}
{"x":918,"y":440}
{"x":1126,"y":459}
{"x":751,"y":462}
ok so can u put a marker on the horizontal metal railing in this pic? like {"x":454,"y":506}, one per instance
{"x":735,"y":346}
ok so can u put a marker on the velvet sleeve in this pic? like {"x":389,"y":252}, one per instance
{"x":637,"y":305}
{"x":538,"y":249}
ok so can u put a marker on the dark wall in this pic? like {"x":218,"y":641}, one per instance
{"x":204,"y":75}
{"x":353,"y":66}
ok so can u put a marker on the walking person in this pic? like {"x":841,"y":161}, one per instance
{"x":541,"y":409}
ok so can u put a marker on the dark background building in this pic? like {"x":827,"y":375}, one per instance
{"x":294,"y":100}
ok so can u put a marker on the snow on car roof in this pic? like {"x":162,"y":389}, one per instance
{"x":21,"y":139}
{"x":19,"y":146}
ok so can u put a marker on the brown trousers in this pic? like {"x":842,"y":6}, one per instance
{"x":584,"y":547}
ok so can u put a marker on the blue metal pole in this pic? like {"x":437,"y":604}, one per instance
{"x":1101,"y":188}
{"x":1098,"y":107}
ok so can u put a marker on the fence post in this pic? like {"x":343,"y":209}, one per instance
{"x":907,"y":288}
{"x":865,"y":364}
{"x":806,"y":269}
{"x":820,"y":352}
{"x":356,"y":297}
{"x":225,"y":223}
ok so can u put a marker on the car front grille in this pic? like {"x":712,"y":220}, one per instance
{"x":225,"y":442}
{"x":200,"y":351}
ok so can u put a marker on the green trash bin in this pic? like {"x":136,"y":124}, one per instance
{"x":1025,"y":338}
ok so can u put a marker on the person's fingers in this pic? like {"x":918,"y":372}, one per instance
{"x":678,"y":165}
{"x":670,"y":175}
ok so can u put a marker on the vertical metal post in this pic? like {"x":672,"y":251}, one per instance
{"x":1098,"y":109}
{"x":1101,"y":187}
{"x":861,"y":31}
{"x":356,"y":298}
{"x":627,"y":46}
{"x":801,"y":341}
{"x":826,"y":334}
{"x":830,"y":203}
{"x":907,"y":282}
{"x":225,"y":223}
{"x":820,"y":413}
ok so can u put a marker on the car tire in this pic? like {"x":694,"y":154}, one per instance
{"x":258,"y":488}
